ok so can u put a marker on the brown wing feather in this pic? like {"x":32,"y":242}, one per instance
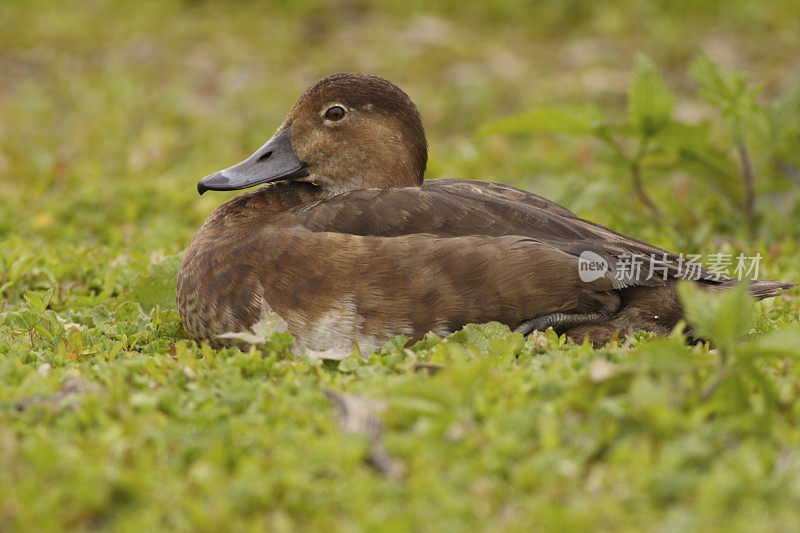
{"x":454,"y":208}
{"x":416,"y":283}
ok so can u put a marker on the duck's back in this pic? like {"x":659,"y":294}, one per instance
{"x":457,"y":208}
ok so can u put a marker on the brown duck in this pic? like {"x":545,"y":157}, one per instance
{"x":347,"y":244}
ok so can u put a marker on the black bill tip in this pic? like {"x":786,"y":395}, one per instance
{"x":213,"y":182}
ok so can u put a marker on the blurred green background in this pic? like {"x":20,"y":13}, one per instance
{"x":111,"y":111}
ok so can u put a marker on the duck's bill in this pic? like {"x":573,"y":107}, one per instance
{"x":275,"y":161}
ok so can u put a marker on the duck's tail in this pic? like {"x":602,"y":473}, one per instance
{"x":762,"y":288}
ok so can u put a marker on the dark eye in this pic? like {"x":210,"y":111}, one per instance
{"x":334,"y":113}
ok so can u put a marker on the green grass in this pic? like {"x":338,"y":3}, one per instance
{"x":111,"y":419}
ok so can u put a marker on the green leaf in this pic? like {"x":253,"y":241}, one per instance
{"x":270,"y":328}
{"x":784,"y":342}
{"x":127,"y":312}
{"x":576,"y":120}
{"x":262,"y":331}
{"x":395,"y":343}
{"x":727,"y":90}
{"x":708,"y":76}
{"x":783,"y":119}
{"x":38,"y":301}
{"x":650,"y":101}
{"x":506,"y":348}
{"x":714,"y":166}
{"x":99,"y":315}
{"x":479,"y":335}
{"x":664,"y":354}
{"x":158,"y":286}
{"x":25,"y":319}
{"x":692,"y":144}
{"x":766,"y":385}
{"x":680,"y":134}
{"x":723,"y":317}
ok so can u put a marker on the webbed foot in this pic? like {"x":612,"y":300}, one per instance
{"x":564,"y":321}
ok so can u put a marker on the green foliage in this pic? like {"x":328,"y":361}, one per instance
{"x":157,"y":287}
{"x":547,"y":120}
{"x":652,"y":141}
{"x":650,"y":101}
{"x":723,"y":318}
{"x":726,"y":319}
{"x":137,"y":430}
{"x":112,"y":420}
{"x":727,"y":90}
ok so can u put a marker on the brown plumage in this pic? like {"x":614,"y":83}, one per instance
{"x":348,"y":244}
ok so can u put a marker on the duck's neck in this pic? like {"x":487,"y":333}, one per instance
{"x":261,"y":205}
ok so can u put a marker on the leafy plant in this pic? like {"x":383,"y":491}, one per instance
{"x":726,"y":320}
{"x":650,"y":105}
{"x":35,"y":318}
{"x":651,"y":138}
{"x":730,"y":92}
{"x":157,"y":287}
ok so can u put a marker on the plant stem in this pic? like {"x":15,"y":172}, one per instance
{"x":635,"y":166}
{"x":791,"y":172}
{"x":749,"y":177}
{"x":638,"y":187}
{"x":713,"y":385}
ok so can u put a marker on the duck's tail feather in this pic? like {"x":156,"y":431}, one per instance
{"x":763,"y":288}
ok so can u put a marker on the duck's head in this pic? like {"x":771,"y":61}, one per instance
{"x":345,"y":132}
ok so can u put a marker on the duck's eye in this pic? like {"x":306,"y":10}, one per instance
{"x":334,"y":113}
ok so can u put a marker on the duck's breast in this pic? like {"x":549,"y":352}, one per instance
{"x":216,"y":291}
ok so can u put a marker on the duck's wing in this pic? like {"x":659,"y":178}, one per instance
{"x":334,"y":287}
{"x":457,"y":208}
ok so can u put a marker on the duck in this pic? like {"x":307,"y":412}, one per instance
{"x":348,"y":244}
